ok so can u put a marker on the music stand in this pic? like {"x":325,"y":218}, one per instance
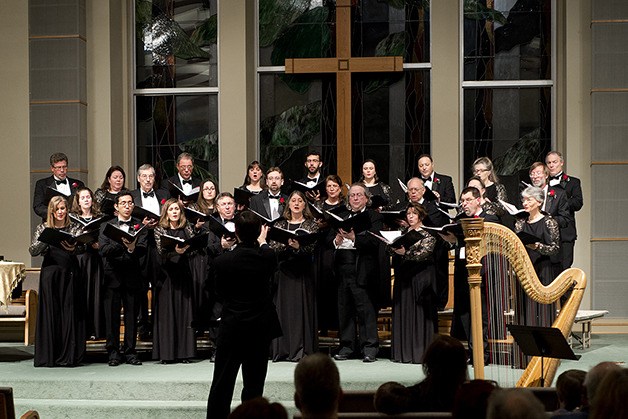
{"x":546,"y":342}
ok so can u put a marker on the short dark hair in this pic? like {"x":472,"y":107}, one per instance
{"x":123,"y":192}
{"x":247,"y":226}
{"x":57,"y":157}
{"x":425,"y":155}
{"x":313,"y":152}
{"x":472,"y":190}
{"x":569,"y":388}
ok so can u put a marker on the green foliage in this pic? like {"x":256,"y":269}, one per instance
{"x":283,"y":134}
{"x":308,"y":37}
{"x":206,"y":33}
{"x":473,"y":9}
{"x":392,"y":45}
{"x":521,"y":155}
{"x":276,"y":15}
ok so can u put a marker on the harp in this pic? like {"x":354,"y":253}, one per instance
{"x":484,"y":238}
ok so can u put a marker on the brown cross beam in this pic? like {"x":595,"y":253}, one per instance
{"x":343,"y":65}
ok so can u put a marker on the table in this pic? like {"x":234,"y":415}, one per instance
{"x":585,"y":317}
{"x":11,"y":273}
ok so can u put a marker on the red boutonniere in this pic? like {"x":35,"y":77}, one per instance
{"x":436,"y":180}
{"x":281,"y":200}
{"x":552,"y":193}
{"x":163,"y":201}
{"x":74,"y":185}
{"x":565,"y":177}
{"x":136,"y":227}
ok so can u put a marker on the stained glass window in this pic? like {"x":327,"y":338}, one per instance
{"x":390,"y":115}
{"x":176,"y":81}
{"x":507,"y":82}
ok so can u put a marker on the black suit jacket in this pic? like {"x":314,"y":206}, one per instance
{"x":557,"y":206}
{"x":260,"y":203}
{"x":174,"y":193}
{"x":445,"y":187}
{"x":573,"y":190}
{"x":161,"y":194}
{"x":243,"y":282}
{"x":121,"y":267}
{"x":40,"y":203}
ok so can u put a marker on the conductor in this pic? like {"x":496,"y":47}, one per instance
{"x":249,"y":319}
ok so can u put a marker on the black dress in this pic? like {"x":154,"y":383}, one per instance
{"x":60,"y":331}
{"x":414,"y":294}
{"x":92,"y":272}
{"x":201,"y":289}
{"x":547,"y":230}
{"x":383,"y":190}
{"x":173,"y":336}
{"x":295,"y":298}
{"x":326,"y":280}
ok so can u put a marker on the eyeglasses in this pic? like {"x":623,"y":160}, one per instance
{"x":186,"y":167}
{"x":126,"y":203}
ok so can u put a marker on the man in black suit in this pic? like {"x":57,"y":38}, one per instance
{"x":183,"y":179}
{"x":573,"y":189}
{"x":249,"y":319}
{"x":270,"y":203}
{"x":313,"y":165}
{"x":441,"y":185}
{"x":435,"y":218}
{"x":470,"y":201}
{"x":122,"y":281}
{"x":58,"y":181}
{"x":151,"y":199}
{"x":556,"y":205}
{"x":357,"y":265}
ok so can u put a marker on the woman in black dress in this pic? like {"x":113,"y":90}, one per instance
{"x":326,"y":283}
{"x":173,"y":336}
{"x":494,"y":191}
{"x":84,"y":211}
{"x":105,"y":196}
{"x":380,"y":192}
{"x":295,"y":294}
{"x":413,"y":309}
{"x":199,"y":260}
{"x":60,"y":331}
{"x":544,"y":227}
{"x":254,"y":180}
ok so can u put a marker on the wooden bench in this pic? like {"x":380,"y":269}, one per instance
{"x":22,"y":311}
{"x":361,"y":401}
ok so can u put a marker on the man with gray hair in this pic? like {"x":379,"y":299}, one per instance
{"x":151,"y":199}
{"x":317,"y":387}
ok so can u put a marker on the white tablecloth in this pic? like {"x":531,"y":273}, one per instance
{"x":11,"y":273}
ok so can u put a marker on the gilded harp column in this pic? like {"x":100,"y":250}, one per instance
{"x":473,"y":228}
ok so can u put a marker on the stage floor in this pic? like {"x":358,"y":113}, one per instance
{"x":180,"y":390}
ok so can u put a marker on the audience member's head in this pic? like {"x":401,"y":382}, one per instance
{"x":259,"y":408}
{"x":514,"y":403}
{"x":612,"y":393}
{"x":446,"y":360}
{"x":569,"y":388}
{"x":593,"y":379}
{"x":317,"y":386}
{"x":392,"y":398}
{"x":472,"y":399}
{"x":445,"y":367}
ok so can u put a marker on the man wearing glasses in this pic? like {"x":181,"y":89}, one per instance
{"x":57,"y":184}
{"x":123,"y":281}
{"x":183,"y":180}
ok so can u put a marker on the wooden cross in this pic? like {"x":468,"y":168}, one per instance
{"x":343,"y":65}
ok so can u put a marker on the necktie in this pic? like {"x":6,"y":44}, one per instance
{"x":148,"y":194}
{"x":556,"y":177}
{"x":274,"y":196}
{"x":61,"y":182}
{"x":188,"y":181}
{"x":121,"y":223}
